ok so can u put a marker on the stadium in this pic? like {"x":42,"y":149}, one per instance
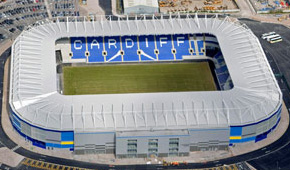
{"x":141,"y":87}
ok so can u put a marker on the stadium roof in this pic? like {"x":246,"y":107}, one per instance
{"x":34,"y":95}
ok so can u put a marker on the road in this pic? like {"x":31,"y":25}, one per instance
{"x":106,"y":5}
{"x":246,"y":8}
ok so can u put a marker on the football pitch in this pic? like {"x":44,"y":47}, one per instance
{"x":139,"y":78}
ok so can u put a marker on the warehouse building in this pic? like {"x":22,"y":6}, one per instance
{"x":140,"y":6}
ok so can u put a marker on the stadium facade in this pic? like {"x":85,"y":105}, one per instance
{"x":246,"y":109}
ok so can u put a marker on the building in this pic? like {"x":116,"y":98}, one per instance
{"x":140,"y":6}
{"x":247,"y":108}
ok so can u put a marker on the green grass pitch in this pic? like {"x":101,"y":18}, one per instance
{"x":139,"y":78}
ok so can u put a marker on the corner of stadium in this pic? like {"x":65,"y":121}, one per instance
{"x":167,"y":118}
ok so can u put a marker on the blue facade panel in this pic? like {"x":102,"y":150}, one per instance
{"x":16,"y":123}
{"x":67,"y":136}
{"x":248,"y":139}
{"x":236,"y":131}
{"x":261,"y":137}
{"x":56,"y":145}
{"x":38,"y":143}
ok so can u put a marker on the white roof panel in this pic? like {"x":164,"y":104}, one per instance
{"x":34,"y":97}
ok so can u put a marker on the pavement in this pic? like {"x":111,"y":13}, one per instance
{"x":91,"y":8}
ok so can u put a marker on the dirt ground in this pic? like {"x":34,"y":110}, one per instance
{"x":167,"y":6}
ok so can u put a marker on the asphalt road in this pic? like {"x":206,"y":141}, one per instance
{"x":274,"y":156}
{"x":106,"y":5}
{"x":5,"y":167}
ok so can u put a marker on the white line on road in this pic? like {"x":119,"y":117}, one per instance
{"x":16,"y":147}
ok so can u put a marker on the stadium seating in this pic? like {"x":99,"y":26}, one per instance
{"x":222,"y":73}
{"x":148,"y":46}
{"x":78,"y":47}
{"x":182,"y":46}
{"x":135,"y":48}
{"x":164,"y":44}
{"x":221,"y":69}
{"x":200,"y":45}
{"x":218,"y":55}
{"x":130,"y":42}
{"x":95,"y":48}
{"x":112,"y":48}
{"x":223,"y":78}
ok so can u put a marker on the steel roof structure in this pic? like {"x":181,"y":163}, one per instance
{"x":33,"y":84}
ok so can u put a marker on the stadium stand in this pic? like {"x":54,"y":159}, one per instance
{"x":221,"y":69}
{"x":129,"y":42}
{"x":135,"y":48}
{"x":95,"y":49}
{"x":78,"y":48}
{"x":200,"y":45}
{"x":112,"y":48}
{"x":147,"y":45}
{"x":182,"y":45}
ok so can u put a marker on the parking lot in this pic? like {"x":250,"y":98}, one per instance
{"x":15,"y":15}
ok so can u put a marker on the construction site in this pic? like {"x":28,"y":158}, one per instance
{"x":174,"y":6}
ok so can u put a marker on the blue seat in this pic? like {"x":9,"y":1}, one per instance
{"x":181,"y":44}
{"x":78,"y":47}
{"x":113,"y":47}
{"x":95,"y":48}
{"x":147,"y":45}
{"x":220,"y":60}
{"x":218,"y":55}
{"x":164,"y":45}
{"x":221,"y":69}
{"x":200,"y":46}
{"x":223,"y":78}
{"x":130,"y":47}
